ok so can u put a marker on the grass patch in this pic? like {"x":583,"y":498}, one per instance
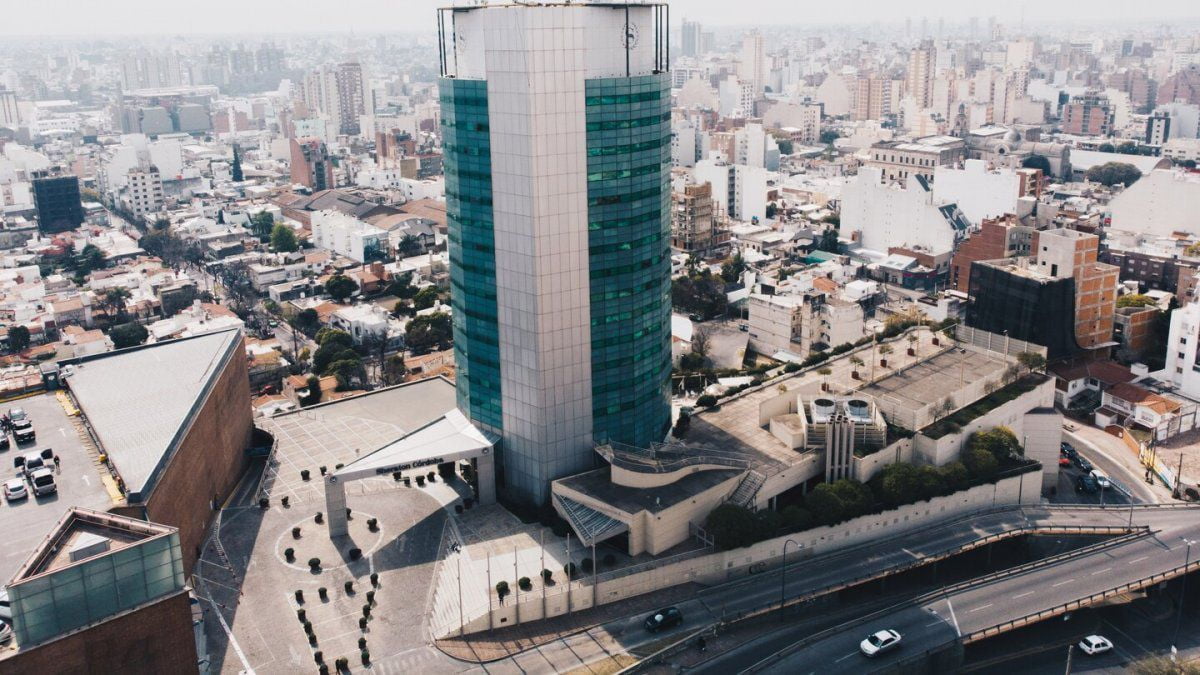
{"x":979,"y":408}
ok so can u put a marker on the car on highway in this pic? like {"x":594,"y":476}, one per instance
{"x":1095,"y":644}
{"x":879,"y":642}
{"x":1087,"y":484}
{"x":1101,"y":479}
{"x":14,"y":490}
{"x":664,"y":618}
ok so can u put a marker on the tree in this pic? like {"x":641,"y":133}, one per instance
{"x":18,"y":338}
{"x":786,"y":146}
{"x":828,"y":136}
{"x":900,"y":485}
{"x":828,"y":241}
{"x":796,"y":518}
{"x":825,"y":505}
{"x":980,"y":464}
{"x":394,"y":371}
{"x":1037,"y":162}
{"x":401,"y":286}
{"x":701,"y":294}
{"x":731,"y":270}
{"x":335,"y":345}
{"x":1128,"y":148}
{"x":1032,"y":361}
{"x":283,"y":239}
{"x":731,"y":526}
{"x":261,"y":225}
{"x":429,"y":332}
{"x":312,"y":394}
{"x":237,"y":166}
{"x":825,"y":372}
{"x":1189,"y":163}
{"x":955,"y":476}
{"x":425,"y":298}
{"x":1112,"y":173}
{"x":349,"y":371}
{"x":409,"y":246}
{"x":1001,"y":442}
{"x":340,"y":287}
{"x":700,"y":341}
{"x":1106,"y":147}
{"x":306,"y":321}
{"x":114,"y":302}
{"x":128,"y":335}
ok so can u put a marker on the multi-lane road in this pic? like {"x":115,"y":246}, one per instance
{"x":978,"y":609}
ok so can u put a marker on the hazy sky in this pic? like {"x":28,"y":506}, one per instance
{"x":165,"y":17}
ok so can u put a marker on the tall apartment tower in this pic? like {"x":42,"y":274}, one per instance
{"x":56,"y":197}
{"x":690,"y":38}
{"x":921,"y":64}
{"x":557,"y":149}
{"x":310,"y":163}
{"x":339,"y":92}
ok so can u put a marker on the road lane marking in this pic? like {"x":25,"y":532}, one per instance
{"x":957,"y":631}
{"x":845,"y":657}
{"x":1106,"y":569}
{"x":982,"y":607}
{"x":1061,"y":583}
{"x":1138,"y":560}
{"x":1023,"y":594}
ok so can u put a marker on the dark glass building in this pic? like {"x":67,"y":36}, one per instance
{"x":56,"y":197}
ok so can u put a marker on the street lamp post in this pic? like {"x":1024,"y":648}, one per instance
{"x":783,"y":572}
{"x":1187,"y":560}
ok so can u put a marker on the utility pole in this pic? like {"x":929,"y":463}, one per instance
{"x":783,"y":573}
{"x":1187,"y":560}
{"x":1070,"y":650}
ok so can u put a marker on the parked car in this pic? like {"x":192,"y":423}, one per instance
{"x":879,"y":642}
{"x":1083,"y":465}
{"x":5,"y":605}
{"x":1067,"y":450}
{"x":1101,"y":479}
{"x":1095,"y":644}
{"x":6,"y":632}
{"x":4,"y":445}
{"x":23,"y":432}
{"x":664,"y":618}
{"x":43,"y":483}
{"x":14,"y":490}
{"x":32,"y":462}
{"x":17,"y":414}
{"x":1064,"y":462}
{"x":1087,"y":484}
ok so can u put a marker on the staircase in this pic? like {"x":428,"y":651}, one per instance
{"x":747,"y":489}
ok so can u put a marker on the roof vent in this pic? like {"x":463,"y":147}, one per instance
{"x":88,"y":545}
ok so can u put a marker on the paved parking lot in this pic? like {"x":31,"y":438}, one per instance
{"x":25,"y":523}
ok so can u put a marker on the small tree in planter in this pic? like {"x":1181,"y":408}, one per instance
{"x":884,"y":350}
{"x":396,"y":476}
{"x":570,"y":568}
{"x":312,"y":640}
{"x":373,"y":524}
{"x":302,"y":615}
{"x":366,"y":657}
{"x":318,"y":656}
{"x":304,"y":474}
{"x":290,"y":554}
{"x":825,"y":372}
{"x":264,"y":503}
{"x":362,"y":643}
{"x":314,"y":564}
{"x":408,"y":482}
{"x":857,"y":363}
{"x":349,"y":515}
{"x":420,"y":481}
{"x":349,"y":588}
{"x":296,"y":532}
{"x":308,"y":629}
{"x":362,"y":623}
{"x":323,"y":669}
{"x":524,"y":584}
{"x":284,"y":501}
{"x":342,"y":664}
{"x":299,"y":596}
{"x":431,"y":476}
{"x":324,"y":470}
{"x":370,"y":597}
{"x":912,"y":343}
{"x":355,"y":553}
{"x":375,"y":579}
{"x":501,"y":590}
{"x":323,"y":592}
{"x":547,"y":575}
{"x":320,"y":517}
{"x":366,"y":610}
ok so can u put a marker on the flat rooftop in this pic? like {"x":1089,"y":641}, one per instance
{"x":339,"y":432}
{"x":934,"y":379}
{"x":598,"y":484}
{"x":139,"y":401}
{"x":84,"y":527}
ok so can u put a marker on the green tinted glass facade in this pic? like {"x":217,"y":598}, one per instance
{"x":467,"y":163}
{"x":629,"y":197}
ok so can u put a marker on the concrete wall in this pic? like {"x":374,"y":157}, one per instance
{"x":670,"y":526}
{"x":156,"y":638}
{"x":726,"y":565}
{"x":1012,"y":415}
{"x":866,"y":467}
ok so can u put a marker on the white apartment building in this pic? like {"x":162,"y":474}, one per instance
{"x":145,"y":191}
{"x":1161,"y":202}
{"x":980,"y":193}
{"x":887,"y":215}
{"x":686,"y":145}
{"x":1180,"y":149}
{"x":1182,"y":367}
{"x":753,"y":146}
{"x":796,"y":324}
{"x":741,"y":191}
{"x":347,"y":236}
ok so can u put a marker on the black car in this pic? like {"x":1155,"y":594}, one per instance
{"x":664,"y":618}
{"x":4,"y":444}
{"x":1067,"y":450}
{"x":1083,"y":465}
{"x":1087,"y":484}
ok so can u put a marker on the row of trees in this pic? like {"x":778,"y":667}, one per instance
{"x":983,"y":456}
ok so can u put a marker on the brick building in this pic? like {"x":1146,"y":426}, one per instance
{"x":996,"y":238}
{"x":1133,"y":329}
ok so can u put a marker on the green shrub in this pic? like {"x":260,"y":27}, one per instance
{"x":706,"y":401}
{"x":547,"y":575}
{"x":314,"y":563}
{"x":524,"y":583}
{"x":501,"y":589}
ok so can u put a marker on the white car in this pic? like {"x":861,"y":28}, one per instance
{"x":6,"y":632}
{"x":1101,"y":479}
{"x":879,"y":642}
{"x":42,"y":481}
{"x":1095,"y":644}
{"x":15,"y":489}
